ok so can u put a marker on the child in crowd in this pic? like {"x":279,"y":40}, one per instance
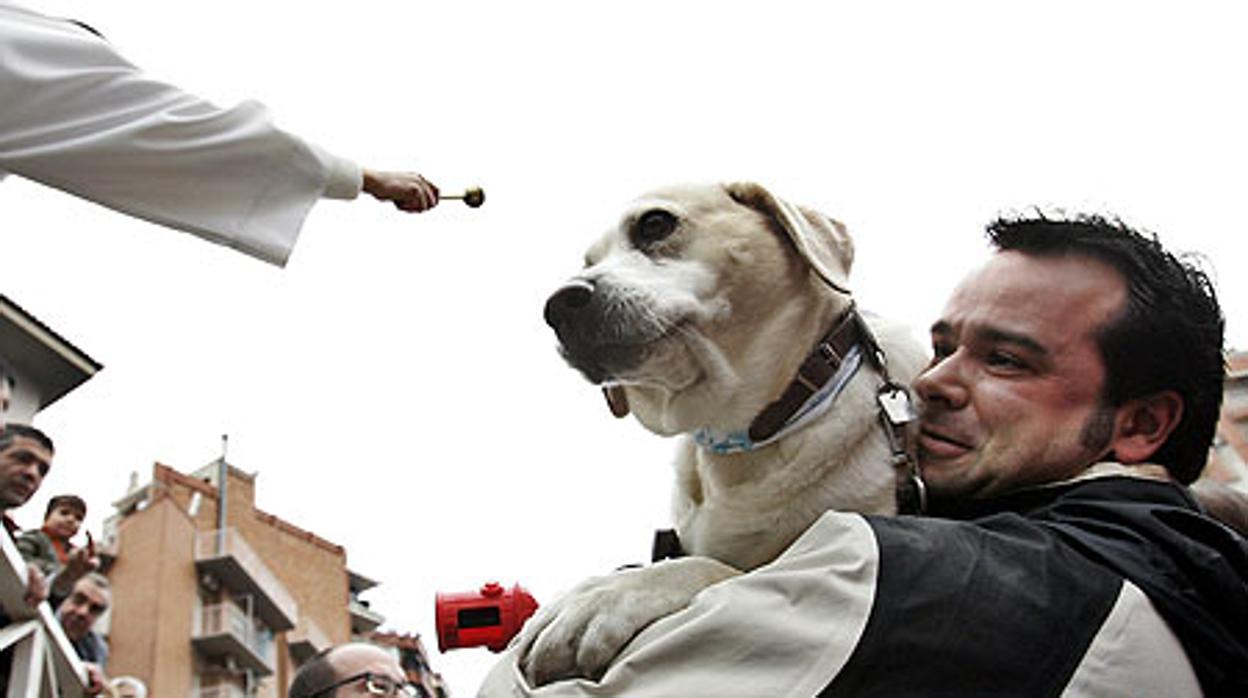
{"x":49,"y":547}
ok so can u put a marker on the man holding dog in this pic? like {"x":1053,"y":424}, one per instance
{"x":1073,"y":393}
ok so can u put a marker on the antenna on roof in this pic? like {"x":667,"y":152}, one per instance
{"x":222,"y":474}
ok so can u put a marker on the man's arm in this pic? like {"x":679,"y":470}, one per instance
{"x":784,"y":629}
{"x":899,"y":606}
{"x":81,"y":118}
{"x":36,"y":586}
{"x":36,"y":550}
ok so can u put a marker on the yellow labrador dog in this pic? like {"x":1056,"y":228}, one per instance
{"x":722,"y":313}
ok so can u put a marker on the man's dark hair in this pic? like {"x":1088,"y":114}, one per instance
{"x":69,"y":501}
{"x":313,"y":676}
{"x":13,"y":431}
{"x":97,"y":579}
{"x":1168,"y":337}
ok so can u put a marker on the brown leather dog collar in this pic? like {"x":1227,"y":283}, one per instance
{"x":820,"y":365}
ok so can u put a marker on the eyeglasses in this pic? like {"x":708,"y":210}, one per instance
{"x":379,"y":685}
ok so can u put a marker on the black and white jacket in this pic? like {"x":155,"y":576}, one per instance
{"x":1108,"y":585}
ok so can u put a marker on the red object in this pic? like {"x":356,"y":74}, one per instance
{"x":490,"y":616}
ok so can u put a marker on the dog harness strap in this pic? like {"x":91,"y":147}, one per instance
{"x":666,"y":546}
{"x":815,"y":372}
{"x":897,"y":415}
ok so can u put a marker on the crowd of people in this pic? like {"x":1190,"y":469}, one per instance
{"x":58,"y":571}
{"x":227,"y":175}
{"x":252,"y":194}
{"x":66,"y":576}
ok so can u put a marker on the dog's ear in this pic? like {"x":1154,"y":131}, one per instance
{"x":617,"y":400}
{"x":821,"y":241}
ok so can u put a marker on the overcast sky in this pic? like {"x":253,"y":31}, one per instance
{"x":396,"y":388}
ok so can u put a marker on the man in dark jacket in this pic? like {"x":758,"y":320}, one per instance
{"x":1073,"y":394}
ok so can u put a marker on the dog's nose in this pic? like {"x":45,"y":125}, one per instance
{"x":565,"y":303}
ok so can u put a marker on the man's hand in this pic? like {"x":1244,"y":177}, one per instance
{"x":80,"y":562}
{"x":36,"y":586}
{"x":96,"y":681}
{"x":408,"y":190}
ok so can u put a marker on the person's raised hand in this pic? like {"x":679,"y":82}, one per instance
{"x":80,"y":561}
{"x":96,"y":681}
{"x":36,"y":586}
{"x":407,"y":190}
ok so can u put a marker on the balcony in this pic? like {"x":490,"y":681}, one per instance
{"x":224,"y":630}
{"x":306,"y":640}
{"x":230,"y":559}
{"x":363,"y":619}
{"x":223,"y":690}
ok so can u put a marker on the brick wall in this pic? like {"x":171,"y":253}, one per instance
{"x":156,"y":586}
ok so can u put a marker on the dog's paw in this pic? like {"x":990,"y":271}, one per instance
{"x":582,"y":633}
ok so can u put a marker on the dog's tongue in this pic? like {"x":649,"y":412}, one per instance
{"x":617,"y":400}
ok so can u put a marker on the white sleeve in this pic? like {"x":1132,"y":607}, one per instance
{"x":79,"y":117}
{"x":805,"y":613}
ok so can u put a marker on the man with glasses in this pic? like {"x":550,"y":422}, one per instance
{"x":355,"y":669}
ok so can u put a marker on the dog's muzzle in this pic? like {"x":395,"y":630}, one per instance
{"x":599,"y":334}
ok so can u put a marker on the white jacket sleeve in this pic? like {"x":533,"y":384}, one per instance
{"x":77,"y":116}
{"x":784,"y":629}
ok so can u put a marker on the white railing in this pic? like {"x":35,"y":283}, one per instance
{"x":44,"y":663}
{"x":228,"y":619}
{"x":365,"y":616}
{"x":219,"y":691}
{"x":228,"y":542}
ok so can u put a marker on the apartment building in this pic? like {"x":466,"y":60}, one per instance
{"x":414,"y":660}
{"x":222,"y":602}
{"x":45,"y":364}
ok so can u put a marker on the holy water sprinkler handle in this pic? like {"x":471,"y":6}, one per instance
{"x":472,"y":196}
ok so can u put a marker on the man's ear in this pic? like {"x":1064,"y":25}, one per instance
{"x":1143,"y":425}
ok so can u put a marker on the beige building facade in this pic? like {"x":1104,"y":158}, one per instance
{"x":213,"y":611}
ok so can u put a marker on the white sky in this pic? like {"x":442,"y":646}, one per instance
{"x":396,"y":388}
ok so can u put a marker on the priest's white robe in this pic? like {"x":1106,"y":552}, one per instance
{"x":77,"y":116}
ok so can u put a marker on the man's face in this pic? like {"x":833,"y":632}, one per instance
{"x":81,"y":608}
{"x":1013,"y":395}
{"x":356,"y":659}
{"x":23,"y":463}
{"x":64,"y":521}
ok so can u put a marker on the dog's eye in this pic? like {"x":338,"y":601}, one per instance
{"x":654,"y":226}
